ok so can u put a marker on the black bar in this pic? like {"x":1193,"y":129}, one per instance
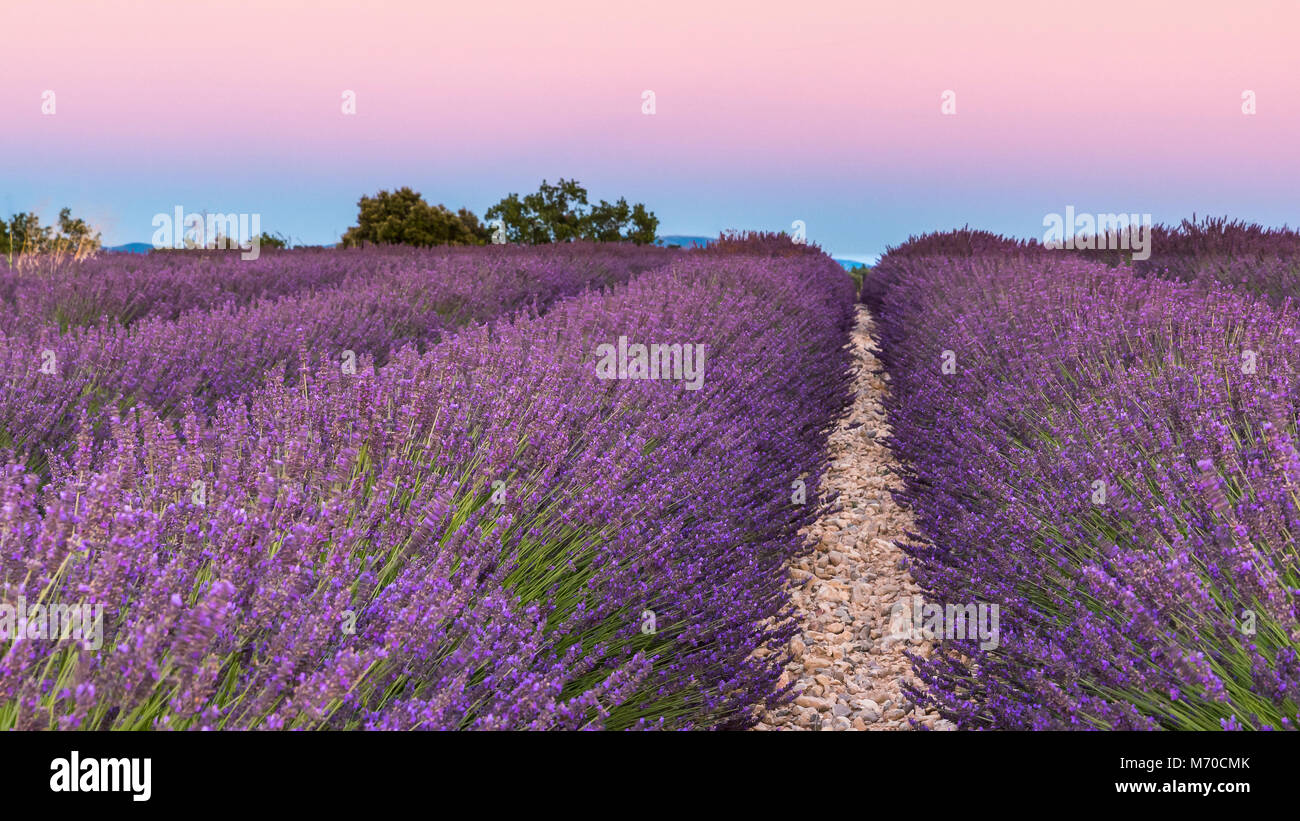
{"x":231,"y":772}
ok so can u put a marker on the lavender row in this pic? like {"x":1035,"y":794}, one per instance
{"x":1110,"y":461}
{"x":485,"y":535}
{"x":52,"y":381}
{"x":125,"y":288}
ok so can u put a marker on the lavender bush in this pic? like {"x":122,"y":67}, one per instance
{"x":1249,"y":257}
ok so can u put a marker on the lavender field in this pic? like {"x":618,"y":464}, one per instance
{"x":585,"y":486}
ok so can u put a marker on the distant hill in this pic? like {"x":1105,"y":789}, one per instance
{"x":130,"y":248}
{"x":685,"y":241}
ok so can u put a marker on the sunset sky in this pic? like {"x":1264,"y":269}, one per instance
{"x":766,"y":113}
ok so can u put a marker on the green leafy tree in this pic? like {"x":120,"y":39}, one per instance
{"x":481,"y":233}
{"x":276,"y":240}
{"x":644,"y":226}
{"x":75,"y":235}
{"x":403,"y":217}
{"x":518,"y":224}
{"x":605,"y":221}
{"x":23,"y":234}
{"x":561,"y":213}
{"x":27,"y":235}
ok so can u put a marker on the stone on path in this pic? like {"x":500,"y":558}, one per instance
{"x":848,"y":669}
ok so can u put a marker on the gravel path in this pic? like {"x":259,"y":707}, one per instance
{"x":848,"y":670}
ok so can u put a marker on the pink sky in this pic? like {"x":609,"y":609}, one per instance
{"x":765,"y":113}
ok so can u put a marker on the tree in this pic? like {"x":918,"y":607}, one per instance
{"x":23,"y":234}
{"x":277,"y":240}
{"x":482,"y":234}
{"x":645,"y":226}
{"x":561,"y":213}
{"x":75,"y":235}
{"x":518,"y":224}
{"x":605,"y":222}
{"x":403,"y":217}
{"x":27,"y":235}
